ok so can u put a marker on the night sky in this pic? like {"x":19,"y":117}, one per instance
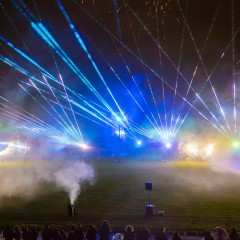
{"x":147,"y":52}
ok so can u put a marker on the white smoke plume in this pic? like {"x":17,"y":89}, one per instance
{"x":24,"y":179}
{"x":71,"y":177}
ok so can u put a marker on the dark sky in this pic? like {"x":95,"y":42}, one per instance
{"x":177,"y":26}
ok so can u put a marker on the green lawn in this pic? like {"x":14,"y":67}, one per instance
{"x":192,"y":195}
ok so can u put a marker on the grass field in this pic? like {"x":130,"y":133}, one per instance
{"x":192,"y":195}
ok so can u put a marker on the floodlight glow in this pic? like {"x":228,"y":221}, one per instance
{"x":84,"y":146}
{"x":167,"y":138}
{"x":209,"y":150}
{"x":236,"y":144}
{"x":192,"y":149}
{"x":139,"y":142}
{"x":168,"y":145}
{"x":118,"y":119}
{"x":120,"y":132}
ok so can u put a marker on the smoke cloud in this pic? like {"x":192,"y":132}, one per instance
{"x":71,"y":177}
{"x":25,"y":179}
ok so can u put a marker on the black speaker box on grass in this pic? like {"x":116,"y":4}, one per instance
{"x":148,"y":186}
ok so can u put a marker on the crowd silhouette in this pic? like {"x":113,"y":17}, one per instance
{"x":76,"y":232}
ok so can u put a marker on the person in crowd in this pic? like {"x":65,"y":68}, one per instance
{"x":145,"y":233}
{"x":105,"y":230}
{"x":46,"y":233}
{"x":161,"y":235}
{"x":176,"y":236}
{"x":220,"y":234}
{"x":234,"y":235}
{"x":25,"y":233}
{"x":8,"y":233}
{"x":118,"y":236}
{"x":56,"y":234}
{"x":78,"y":233}
{"x":17,"y":235}
{"x":208,"y":236}
{"x":129,"y":233}
{"x":138,"y":234}
{"x":91,"y":232}
{"x":71,"y":232}
{"x":33,"y":233}
{"x":63,"y":234}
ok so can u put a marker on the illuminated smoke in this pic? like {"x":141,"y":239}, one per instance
{"x":30,"y":175}
{"x":71,"y":177}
